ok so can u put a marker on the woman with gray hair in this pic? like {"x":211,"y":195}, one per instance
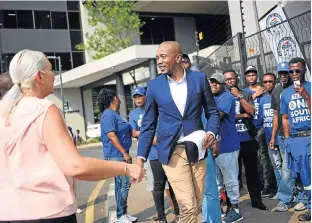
{"x":36,"y":175}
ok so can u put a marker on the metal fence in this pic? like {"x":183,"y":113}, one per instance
{"x":238,"y":52}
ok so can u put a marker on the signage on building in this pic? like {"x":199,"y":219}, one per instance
{"x":72,"y":111}
{"x":281,"y":38}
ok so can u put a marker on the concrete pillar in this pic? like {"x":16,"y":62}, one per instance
{"x":121,"y":96}
{"x":152,"y":68}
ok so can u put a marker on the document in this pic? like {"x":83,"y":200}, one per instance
{"x":197,"y":138}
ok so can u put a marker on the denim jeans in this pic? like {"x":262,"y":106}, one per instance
{"x":287,"y":182}
{"x":276,"y":161}
{"x":227,"y":175}
{"x":211,"y":209}
{"x":122,"y":187}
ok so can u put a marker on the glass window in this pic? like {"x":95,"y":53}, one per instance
{"x":78,"y":59}
{"x":1,"y":19}
{"x":6,"y":59}
{"x":25,"y":19}
{"x":59,"y":20}
{"x":146,"y":37}
{"x":43,"y":20}
{"x":53,"y":62}
{"x":73,"y":5}
{"x":157,"y":30}
{"x":9,"y":19}
{"x":75,"y":39}
{"x":74,"y":20}
{"x":65,"y":61}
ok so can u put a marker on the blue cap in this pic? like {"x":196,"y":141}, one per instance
{"x":140,"y":91}
{"x":284,"y":66}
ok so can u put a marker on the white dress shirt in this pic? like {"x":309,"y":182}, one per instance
{"x":178,"y":90}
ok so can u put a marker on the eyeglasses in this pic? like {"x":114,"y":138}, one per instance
{"x":297,"y":71}
{"x":265,"y":82}
{"x":185,"y":61}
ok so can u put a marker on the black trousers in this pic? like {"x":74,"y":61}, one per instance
{"x":67,"y":219}
{"x":265,"y":169}
{"x":160,"y":179}
{"x":248,"y":156}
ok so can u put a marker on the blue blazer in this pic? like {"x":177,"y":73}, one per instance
{"x":161,"y":108}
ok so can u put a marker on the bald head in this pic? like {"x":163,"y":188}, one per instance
{"x":5,"y":83}
{"x":171,"y":46}
{"x":169,"y":56}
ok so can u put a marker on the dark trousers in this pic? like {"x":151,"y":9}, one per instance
{"x":160,"y":179}
{"x":265,"y":169}
{"x":67,"y":219}
{"x":248,"y":156}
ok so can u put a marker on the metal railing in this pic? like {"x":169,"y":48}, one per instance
{"x":238,"y":52}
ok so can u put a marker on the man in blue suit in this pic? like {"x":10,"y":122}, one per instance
{"x":175,"y":99}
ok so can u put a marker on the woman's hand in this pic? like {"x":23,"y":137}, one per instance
{"x":135,"y":172}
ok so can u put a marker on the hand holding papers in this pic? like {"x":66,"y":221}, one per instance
{"x":197,"y":138}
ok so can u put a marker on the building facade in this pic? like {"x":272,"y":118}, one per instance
{"x":52,"y":27}
{"x":55,"y":28}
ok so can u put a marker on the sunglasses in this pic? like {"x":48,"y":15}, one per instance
{"x":265,"y":82}
{"x":297,"y":71}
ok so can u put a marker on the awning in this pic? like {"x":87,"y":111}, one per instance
{"x":99,"y":69}
{"x":181,"y":7}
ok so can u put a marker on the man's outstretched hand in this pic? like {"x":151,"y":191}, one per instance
{"x":139,"y":161}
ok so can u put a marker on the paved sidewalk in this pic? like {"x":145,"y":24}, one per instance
{"x":141,"y":205}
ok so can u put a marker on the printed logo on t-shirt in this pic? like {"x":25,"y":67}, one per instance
{"x":140,"y":120}
{"x":268,"y":114}
{"x":256,"y":103}
{"x":299,"y":111}
{"x":240,"y":126}
{"x":295,"y":96}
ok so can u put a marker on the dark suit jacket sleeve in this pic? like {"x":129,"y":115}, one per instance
{"x":210,"y":109}
{"x":149,"y":124}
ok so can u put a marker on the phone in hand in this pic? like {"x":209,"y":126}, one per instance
{"x":297,"y":83}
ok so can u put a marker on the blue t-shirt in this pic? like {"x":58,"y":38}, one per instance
{"x":112,"y":122}
{"x":229,"y":136}
{"x":296,"y":107}
{"x":241,"y":128}
{"x":257,"y":100}
{"x":266,"y":114}
{"x":135,"y":119}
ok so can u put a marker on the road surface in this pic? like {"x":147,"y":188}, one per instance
{"x":92,"y":199}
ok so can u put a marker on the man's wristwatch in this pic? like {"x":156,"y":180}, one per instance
{"x":218,"y":138}
{"x":240,"y":96}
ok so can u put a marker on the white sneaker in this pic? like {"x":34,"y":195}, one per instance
{"x":132,"y":218}
{"x":299,"y":207}
{"x":123,"y":219}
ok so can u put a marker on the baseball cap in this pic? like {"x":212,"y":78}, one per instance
{"x":251,"y":69}
{"x":140,"y":91}
{"x":218,"y":77}
{"x":284,"y":66}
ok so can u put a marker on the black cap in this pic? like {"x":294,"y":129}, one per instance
{"x":184,"y":55}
